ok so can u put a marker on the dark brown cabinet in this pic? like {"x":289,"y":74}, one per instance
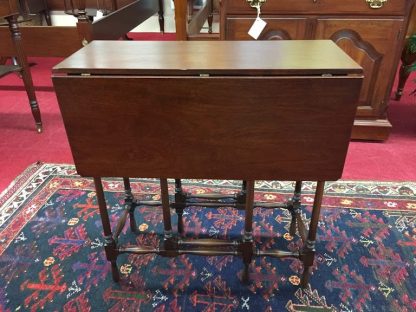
{"x":373,"y":37}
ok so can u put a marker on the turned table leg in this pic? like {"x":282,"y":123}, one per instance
{"x":168,"y":243}
{"x":180,"y":204}
{"x":46,"y":13}
{"x":210,"y":16}
{"x":110,"y":245}
{"x":25,"y":71}
{"x":404,"y":74}
{"x":247,"y":246}
{"x":295,"y":208}
{"x":408,"y":60}
{"x":308,"y":252}
{"x":161,"y":17}
{"x":129,"y":203}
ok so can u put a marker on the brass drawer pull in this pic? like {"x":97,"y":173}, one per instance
{"x":376,"y":4}
{"x":255,"y":3}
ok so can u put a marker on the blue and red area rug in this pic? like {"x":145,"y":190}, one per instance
{"x":52,"y":258}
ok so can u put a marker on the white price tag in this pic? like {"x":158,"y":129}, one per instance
{"x":99,"y":15}
{"x":257,"y":28}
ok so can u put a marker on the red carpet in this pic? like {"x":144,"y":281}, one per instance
{"x":20,"y":145}
{"x":394,"y":159}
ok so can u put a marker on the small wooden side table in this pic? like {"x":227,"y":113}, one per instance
{"x":257,"y":111}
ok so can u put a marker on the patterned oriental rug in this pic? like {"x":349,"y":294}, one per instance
{"x":52,"y":256}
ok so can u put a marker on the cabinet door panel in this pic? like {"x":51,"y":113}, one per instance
{"x":276,"y":28}
{"x":373,"y":44}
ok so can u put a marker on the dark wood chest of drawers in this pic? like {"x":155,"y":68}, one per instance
{"x":371,"y":32}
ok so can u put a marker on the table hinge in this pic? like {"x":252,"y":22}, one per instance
{"x":203,"y":75}
{"x":326,"y":75}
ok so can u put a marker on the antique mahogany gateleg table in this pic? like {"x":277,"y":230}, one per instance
{"x":275,"y":110}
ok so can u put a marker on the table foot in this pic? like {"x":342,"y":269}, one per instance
{"x":304,"y":282}
{"x":39,"y":128}
{"x":246,"y":276}
{"x":114,"y":272}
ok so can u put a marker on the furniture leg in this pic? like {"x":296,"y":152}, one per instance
{"x":166,"y":210}
{"x":248,"y":242}
{"x":210,"y":16}
{"x":244,"y":186}
{"x":180,"y":204}
{"x":404,"y":74}
{"x":27,"y":78}
{"x":308,"y":252}
{"x":190,"y":10}
{"x":242,"y":195}
{"x":129,"y":202}
{"x":47,"y":14}
{"x":408,"y":59}
{"x":110,"y":245}
{"x":295,"y":210}
{"x":161,"y":17}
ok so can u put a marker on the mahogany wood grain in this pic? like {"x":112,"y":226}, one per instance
{"x":293,"y":28}
{"x":58,"y":5}
{"x":258,"y":110}
{"x":63,"y":41}
{"x":373,"y":53}
{"x":179,"y":127}
{"x":354,"y":7}
{"x":8,"y":7}
{"x":43,"y":41}
{"x":181,"y":20}
{"x":197,"y":127}
{"x":372,"y":37}
{"x":231,"y":57}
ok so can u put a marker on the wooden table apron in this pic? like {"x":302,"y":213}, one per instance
{"x":230,"y":121}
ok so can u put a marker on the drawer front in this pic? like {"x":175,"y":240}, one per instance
{"x":389,"y":7}
{"x":276,"y":28}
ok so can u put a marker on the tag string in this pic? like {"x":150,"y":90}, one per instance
{"x":258,"y":9}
